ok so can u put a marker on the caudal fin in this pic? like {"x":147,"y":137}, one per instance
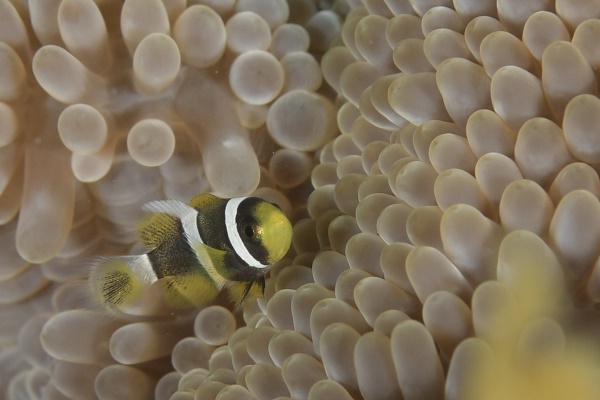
{"x":118,"y":282}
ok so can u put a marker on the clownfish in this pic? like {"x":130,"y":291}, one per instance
{"x":195,"y":250}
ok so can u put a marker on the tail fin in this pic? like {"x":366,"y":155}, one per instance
{"x":119,"y":281}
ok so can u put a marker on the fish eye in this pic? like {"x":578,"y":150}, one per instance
{"x":250,"y":231}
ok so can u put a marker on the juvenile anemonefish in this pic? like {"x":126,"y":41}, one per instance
{"x":196,"y":250}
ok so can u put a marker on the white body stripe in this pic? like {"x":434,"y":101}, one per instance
{"x":186,"y":214}
{"x":142,"y":269}
{"x":231,"y":210}
{"x":188,"y":217}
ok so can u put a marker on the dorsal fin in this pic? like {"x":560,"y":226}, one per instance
{"x":154,"y":228}
{"x":174,"y":208}
{"x":160,"y":220}
{"x":206,"y":201}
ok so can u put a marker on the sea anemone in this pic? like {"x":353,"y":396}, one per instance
{"x":446,"y":222}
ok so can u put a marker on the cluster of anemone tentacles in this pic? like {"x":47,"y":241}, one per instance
{"x":438,"y":159}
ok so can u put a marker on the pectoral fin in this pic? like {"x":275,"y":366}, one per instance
{"x":213,"y":260}
{"x":239,"y":291}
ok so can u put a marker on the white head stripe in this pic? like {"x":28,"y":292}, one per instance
{"x":186,"y":214}
{"x":231,"y":210}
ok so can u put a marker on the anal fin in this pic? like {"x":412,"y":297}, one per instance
{"x":188,"y":291}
